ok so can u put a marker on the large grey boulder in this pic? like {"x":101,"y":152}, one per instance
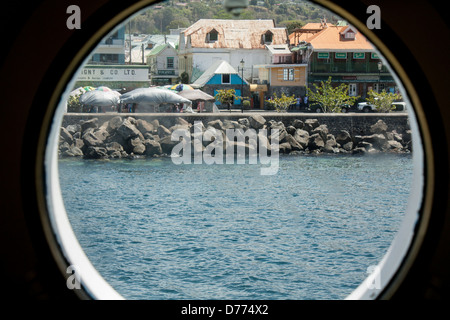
{"x":302,"y":137}
{"x":96,"y":153}
{"x":91,"y":123}
{"x":379,"y":127}
{"x":144,"y":126}
{"x":322,"y":130}
{"x":315,"y":142}
{"x":127,"y":130}
{"x":152,"y":147}
{"x":256,"y":121}
{"x":343,"y":137}
{"x":311,"y":124}
{"x":114,"y":123}
{"x":66,"y":135}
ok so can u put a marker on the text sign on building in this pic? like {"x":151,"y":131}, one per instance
{"x":359,"y":55}
{"x":374,"y":56}
{"x":323,"y":55}
{"x":340,"y":55}
{"x":166,"y":72}
{"x":97,"y":73}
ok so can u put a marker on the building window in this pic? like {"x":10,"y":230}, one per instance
{"x":350,"y":35}
{"x":169,"y":62}
{"x":352,"y":89}
{"x":267,"y":37}
{"x":288,"y":74}
{"x":109,"y":58}
{"x":225,"y":78}
{"x":212,"y":36}
{"x":379,"y":88}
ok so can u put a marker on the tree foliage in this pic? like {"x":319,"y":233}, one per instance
{"x":383,"y":100}
{"x":226,"y":96}
{"x":73,"y":104}
{"x":329,"y":98}
{"x":171,"y":15}
{"x":281,"y":104}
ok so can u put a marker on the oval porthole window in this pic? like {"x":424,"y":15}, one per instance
{"x":267,"y":154}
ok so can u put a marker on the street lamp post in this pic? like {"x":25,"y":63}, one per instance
{"x":380,"y":65}
{"x":242,"y":85}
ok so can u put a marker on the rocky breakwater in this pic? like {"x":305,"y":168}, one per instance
{"x":127,"y":137}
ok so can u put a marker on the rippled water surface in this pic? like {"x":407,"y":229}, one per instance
{"x":156,"y":230}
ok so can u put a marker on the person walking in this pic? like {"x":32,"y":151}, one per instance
{"x":299,"y":101}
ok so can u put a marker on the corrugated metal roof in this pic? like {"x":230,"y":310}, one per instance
{"x":307,"y":31}
{"x":244,"y":34}
{"x":331,"y":39}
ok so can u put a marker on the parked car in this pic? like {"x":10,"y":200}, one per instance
{"x":348,"y":108}
{"x":367,"y":107}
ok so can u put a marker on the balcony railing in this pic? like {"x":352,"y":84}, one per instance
{"x":346,"y":67}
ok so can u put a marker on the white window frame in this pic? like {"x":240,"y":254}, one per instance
{"x":288,"y":74}
{"x":352,"y":89}
{"x":170,"y":65}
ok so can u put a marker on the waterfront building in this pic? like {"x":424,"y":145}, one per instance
{"x":300,"y":35}
{"x":111,"y":49}
{"x":140,"y":46}
{"x":284,"y":74}
{"x":108,"y":67}
{"x":221,"y":75}
{"x":117,"y":77}
{"x":163,"y":65}
{"x":344,"y":54}
{"x":211,"y":40}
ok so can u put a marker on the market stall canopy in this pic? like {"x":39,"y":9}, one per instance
{"x":152,"y":96}
{"x":195,"y":95}
{"x":100,"y":98}
{"x":181,"y":87}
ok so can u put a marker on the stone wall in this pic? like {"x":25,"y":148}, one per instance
{"x":130,"y":135}
{"x":355,"y":124}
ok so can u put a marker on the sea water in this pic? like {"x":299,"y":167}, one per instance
{"x":156,"y":230}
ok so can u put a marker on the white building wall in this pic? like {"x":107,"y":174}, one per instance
{"x":204,"y":58}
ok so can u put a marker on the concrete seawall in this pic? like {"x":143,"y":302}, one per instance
{"x":354,"y":123}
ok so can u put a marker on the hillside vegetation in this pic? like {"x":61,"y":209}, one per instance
{"x":166,"y":15}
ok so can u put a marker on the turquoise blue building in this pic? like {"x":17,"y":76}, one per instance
{"x":221,"y":75}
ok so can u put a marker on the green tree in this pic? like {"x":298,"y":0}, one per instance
{"x":184,"y":78}
{"x":281,"y":104}
{"x":291,"y":25}
{"x":73,"y":104}
{"x":329,"y":98}
{"x":226,"y":97}
{"x":383,"y":100}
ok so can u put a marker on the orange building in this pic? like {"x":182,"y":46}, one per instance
{"x":345,"y":55}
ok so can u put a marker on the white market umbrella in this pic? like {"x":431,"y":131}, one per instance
{"x":152,"y":96}
{"x":100,"y":98}
{"x":196,"y":94}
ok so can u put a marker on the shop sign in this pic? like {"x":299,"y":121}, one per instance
{"x":359,"y":55}
{"x":113,"y":74}
{"x":340,"y":55}
{"x":166,"y":72}
{"x":323,"y":55}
